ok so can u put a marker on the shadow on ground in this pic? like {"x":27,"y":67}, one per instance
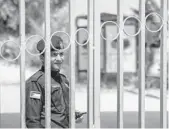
{"x":108,"y":120}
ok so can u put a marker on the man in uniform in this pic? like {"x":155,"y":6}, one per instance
{"x":35,"y":91}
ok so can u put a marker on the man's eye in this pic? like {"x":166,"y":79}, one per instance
{"x":61,"y":54}
{"x":54,"y":54}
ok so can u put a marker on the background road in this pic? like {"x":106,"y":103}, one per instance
{"x":108,"y":120}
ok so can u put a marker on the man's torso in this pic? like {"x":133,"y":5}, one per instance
{"x":59,"y":98}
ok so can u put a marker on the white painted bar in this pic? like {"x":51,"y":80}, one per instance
{"x":90,"y":64}
{"x":168,"y":90}
{"x":120,"y":65}
{"x":72,"y":63}
{"x":163,"y":67}
{"x":96,"y":22}
{"x":47,"y":66}
{"x":141,"y":72}
{"x":22,"y":62}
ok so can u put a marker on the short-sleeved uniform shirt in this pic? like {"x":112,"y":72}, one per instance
{"x":35,"y":100}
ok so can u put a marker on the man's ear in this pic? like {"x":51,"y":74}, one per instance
{"x":42,"y":58}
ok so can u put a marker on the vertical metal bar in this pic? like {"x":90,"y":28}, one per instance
{"x":47,"y":66}
{"x":96,"y":29}
{"x":72,"y":63}
{"x":0,"y":106}
{"x":163,"y":67}
{"x":168,"y":87}
{"x":120,"y":65}
{"x":22,"y":61}
{"x":90,"y":64}
{"x":141,"y":117}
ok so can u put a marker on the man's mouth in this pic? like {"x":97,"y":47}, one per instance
{"x":58,"y":63}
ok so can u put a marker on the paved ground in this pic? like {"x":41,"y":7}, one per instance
{"x":108,"y":120}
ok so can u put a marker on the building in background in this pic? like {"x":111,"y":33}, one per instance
{"x":108,"y":46}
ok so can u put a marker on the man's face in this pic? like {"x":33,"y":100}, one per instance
{"x":57,"y":59}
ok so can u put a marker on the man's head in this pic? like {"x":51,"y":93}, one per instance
{"x":57,"y":57}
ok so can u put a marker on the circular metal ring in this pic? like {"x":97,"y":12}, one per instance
{"x":138,"y":29}
{"x":6,"y":58}
{"x":154,"y":13}
{"x":60,"y":50}
{"x":36,"y":48}
{"x":106,"y":23}
{"x":87,"y":36}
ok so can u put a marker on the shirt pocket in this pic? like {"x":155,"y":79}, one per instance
{"x":56,"y":97}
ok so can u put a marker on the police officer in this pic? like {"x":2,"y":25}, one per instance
{"x":35,"y":91}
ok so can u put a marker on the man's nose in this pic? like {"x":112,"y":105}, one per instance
{"x":58,"y":57}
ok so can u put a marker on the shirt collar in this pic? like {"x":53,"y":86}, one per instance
{"x":54,"y":74}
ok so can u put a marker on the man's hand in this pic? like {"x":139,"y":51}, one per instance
{"x":79,"y":116}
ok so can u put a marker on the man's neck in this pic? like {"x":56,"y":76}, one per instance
{"x":52,"y":71}
{"x":54,"y":74}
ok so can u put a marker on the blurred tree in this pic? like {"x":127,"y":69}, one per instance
{"x":35,"y":21}
{"x":151,"y":22}
{"x":152,"y":44}
{"x":9,"y":15}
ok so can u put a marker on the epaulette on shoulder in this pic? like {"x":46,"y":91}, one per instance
{"x":64,"y":78}
{"x":36,"y":76}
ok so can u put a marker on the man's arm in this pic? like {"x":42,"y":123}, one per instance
{"x":78,"y":115}
{"x":33,"y":105}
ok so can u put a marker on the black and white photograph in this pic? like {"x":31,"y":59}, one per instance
{"x":84,"y":64}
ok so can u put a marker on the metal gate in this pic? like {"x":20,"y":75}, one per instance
{"x":94,"y":31}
